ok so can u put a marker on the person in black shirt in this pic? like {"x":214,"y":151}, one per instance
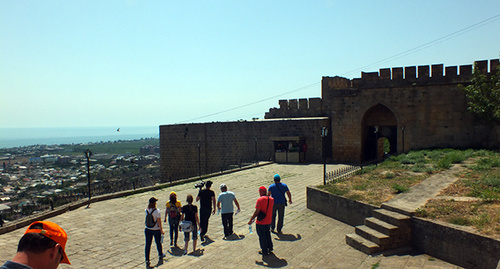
{"x":207,"y":207}
{"x":190,"y":213}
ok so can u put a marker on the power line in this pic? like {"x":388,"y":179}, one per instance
{"x":396,"y":56}
{"x":253,"y":103}
{"x":428,"y":44}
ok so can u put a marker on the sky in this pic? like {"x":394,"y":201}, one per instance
{"x":150,"y":63}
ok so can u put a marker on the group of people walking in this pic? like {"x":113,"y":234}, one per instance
{"x":270,"y":204}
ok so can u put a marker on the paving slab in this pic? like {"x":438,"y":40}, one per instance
{"x":110,"y":234}
{"x":422,"y":192}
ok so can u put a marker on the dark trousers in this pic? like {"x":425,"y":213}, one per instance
{"x":265,"y":241}
{"x":204,"y":216}
{"x":278,"y":209}
{"x":227,"y":223}
{"x":149,"y":240}
{"x":173,"y":223}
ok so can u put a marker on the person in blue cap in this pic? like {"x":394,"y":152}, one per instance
{"x":277,"y":190}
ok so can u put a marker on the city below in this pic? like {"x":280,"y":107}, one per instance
{"x":39,"y":177}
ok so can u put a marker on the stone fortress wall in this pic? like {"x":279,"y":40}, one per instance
{"x":414,"y":107}
{"x":411,"y":107}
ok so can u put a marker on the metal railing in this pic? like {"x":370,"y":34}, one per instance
{"x":341,"y":173}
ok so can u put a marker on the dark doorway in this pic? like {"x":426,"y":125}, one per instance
{"x":378,"y":123}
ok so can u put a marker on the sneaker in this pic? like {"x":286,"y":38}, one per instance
{"x":264,"y":254}
{"x":185,"y":252}
{"x":202,"y":238}
{"x":163,"y":255}
{"x":171,"y":243}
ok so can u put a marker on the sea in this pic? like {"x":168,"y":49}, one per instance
{"x":21,"y":137}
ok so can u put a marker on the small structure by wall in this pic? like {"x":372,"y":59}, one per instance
{"x":189,"y":150}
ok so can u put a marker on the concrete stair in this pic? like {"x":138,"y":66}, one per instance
{"x":386,"y":230}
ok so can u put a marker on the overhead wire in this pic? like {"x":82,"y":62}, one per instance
{"x":396,"y":56}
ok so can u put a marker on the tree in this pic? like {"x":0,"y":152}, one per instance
{"x":483,"y":94}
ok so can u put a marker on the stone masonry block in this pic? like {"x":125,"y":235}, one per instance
{"x":437,"y":70}
{"x":423,"y":71}
{"x":410,"y":73}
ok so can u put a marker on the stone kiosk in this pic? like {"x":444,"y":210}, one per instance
{"x":289,"y":149}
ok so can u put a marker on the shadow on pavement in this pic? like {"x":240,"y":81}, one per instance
{"x":288,"y":237}
{"x":197,"y":253}
{"x":207,"y":241}
{"x":176,"y":251}
{"x":272,"y":261}
{"x":234,"y":237}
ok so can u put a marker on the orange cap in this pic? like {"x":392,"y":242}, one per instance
{"x":52,"y":231}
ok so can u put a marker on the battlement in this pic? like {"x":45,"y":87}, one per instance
{"x":411,"y":75}
{"x":307,"y":107}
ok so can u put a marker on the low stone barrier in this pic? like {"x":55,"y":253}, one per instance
{"x":444,"y":241}
{"x":14,"y":225}
{"x":338,"y":207}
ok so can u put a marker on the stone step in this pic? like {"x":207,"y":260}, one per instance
{"x":399,"y":209}
{"x":361,"y":244}
{"x":382,"y":226}
{"x":394,"y":218}
{"x":373,"y":235}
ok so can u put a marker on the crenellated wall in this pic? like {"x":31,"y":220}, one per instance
{"x":300,"y":108}
{"x":415,"y":107}
{"x":412,"y":107}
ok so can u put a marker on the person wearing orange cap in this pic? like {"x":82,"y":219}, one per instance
{"x":263,"y":212}
{"x":41,"y":247}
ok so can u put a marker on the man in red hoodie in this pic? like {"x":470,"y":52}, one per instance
{"x":263,"y":212}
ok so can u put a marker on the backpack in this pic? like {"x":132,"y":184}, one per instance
{"x":173,"y":211}
{"x":150,"y":220}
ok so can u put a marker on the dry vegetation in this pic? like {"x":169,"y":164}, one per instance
{"x":473,"y":201}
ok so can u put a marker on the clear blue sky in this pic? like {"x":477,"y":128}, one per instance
{"x":147,"y":63}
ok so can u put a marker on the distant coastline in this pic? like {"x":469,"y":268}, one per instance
{"x":21,"y":137}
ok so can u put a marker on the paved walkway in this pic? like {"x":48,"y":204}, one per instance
{"x":110,"y":233}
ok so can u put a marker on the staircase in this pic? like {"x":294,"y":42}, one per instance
{"x":386,"y":230}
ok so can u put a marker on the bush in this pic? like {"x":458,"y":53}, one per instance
{"x":399,"y":188}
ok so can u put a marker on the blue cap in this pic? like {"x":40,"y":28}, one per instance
{"x":277,"y":177}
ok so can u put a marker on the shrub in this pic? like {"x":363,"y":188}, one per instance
{"x":456,"y":156}
{"x":365,"y":169}
{"x":461,"y":221}
{"x":399,"y":188}
{"x":444,"y":163}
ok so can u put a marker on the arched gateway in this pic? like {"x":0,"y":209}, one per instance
{"x":379,"y":125}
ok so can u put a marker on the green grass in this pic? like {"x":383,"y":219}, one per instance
{"x":120,"y":147}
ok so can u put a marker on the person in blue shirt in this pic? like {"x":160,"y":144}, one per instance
{"x":277,"y":190}
{"x":225,"y":205}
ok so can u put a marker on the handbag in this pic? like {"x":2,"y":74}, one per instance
{"x":261,"y":214}
{"x":186,"y":226}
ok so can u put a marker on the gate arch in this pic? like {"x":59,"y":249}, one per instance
{"x":379,"y":122}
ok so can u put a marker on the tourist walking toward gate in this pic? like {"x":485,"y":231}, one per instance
{"x":225,"y":205}
{"x":174,"y":214}
{"x":189,"y":222}
{"x":277,"y":190}
{"x":263,"y":209}
{"x":153,"y":229}
{"x":207,"y":207}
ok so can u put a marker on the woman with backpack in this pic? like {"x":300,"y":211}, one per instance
{"x":174,"y":213}
{"x":189,"y":222}
{"x":153,"y":229}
